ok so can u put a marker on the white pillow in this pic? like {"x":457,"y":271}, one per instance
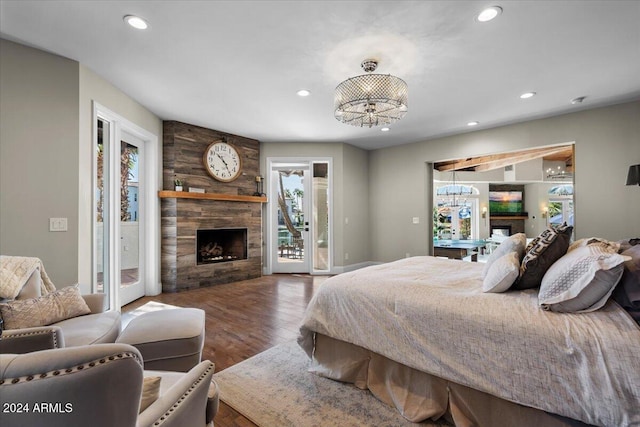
{"x":502,"y":273}
{"x":516,"y":242}
{"x":582,"y":280}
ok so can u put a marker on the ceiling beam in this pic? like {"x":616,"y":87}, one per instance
{"x":495,"y":161}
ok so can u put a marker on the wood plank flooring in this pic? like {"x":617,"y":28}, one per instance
{"x":244,"y":319}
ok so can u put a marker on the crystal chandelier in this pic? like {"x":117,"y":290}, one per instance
{"x":371,"y":99}
{"x":454,"y":195}
{"x":558,"y":174}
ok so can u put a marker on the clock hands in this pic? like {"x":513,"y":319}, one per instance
{"x":225,"y":163}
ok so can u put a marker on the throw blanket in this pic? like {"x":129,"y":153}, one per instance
{"x":16,"y":270}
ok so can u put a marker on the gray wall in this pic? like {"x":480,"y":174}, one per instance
{"x":39,"y":158}
{"x":607,"y":142}
{"x":46,"y":156}
{"x":350,"y":193}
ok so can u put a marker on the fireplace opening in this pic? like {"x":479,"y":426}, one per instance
{"x":501,"y":230}
{"x":221,"y":245}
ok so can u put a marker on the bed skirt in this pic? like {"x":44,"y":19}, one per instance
{"x":419,"y":396}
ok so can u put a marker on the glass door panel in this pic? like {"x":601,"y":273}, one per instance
{"x":130,"y":189}
{"x":292,"y":220}
{"x":455,"y":222}
{"x":320,"y":214}
{"x":101,"y":240}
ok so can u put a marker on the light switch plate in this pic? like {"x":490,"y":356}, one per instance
{"x":57,"y":224}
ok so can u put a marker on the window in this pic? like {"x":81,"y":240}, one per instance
{"x":561,"y":205}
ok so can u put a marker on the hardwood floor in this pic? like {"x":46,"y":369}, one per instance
{"x":244,"y":319}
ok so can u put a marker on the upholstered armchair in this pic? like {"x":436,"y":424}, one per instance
{"x":101,"y":385}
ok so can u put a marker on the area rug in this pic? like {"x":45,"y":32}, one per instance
{"x":274,"y":388}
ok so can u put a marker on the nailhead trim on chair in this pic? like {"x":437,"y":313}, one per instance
{"x":166,"y":415}
{"x":120,"y":356}
{"x":27,"y":334}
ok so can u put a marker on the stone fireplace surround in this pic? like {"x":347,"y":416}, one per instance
{"x":183,"y":148}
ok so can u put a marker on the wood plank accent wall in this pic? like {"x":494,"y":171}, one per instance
{"x":183,"y":148}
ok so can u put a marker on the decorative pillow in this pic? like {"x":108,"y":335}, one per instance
{"x":582,"y":280}
{"x":502,"y":273}
{"x":53,"y":307}
{"x":150,"y":392}
{"x":516,"y":243}
{"x":611,"y":246}
{"x":542,"y":252}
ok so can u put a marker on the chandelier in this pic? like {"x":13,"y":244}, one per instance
{"x":454,"y":196}
{"x":371,"y":99}
{"x":559,"y":173}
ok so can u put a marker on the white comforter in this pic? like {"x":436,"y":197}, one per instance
{"x":431,"y":314}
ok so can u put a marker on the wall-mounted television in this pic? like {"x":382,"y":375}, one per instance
{"x":504,"y":202}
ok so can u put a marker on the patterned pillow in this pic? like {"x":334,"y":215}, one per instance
{"x":541,"y":253}
{"x":502,"y":273}
{"x":582,"y":280}
{"x":513,"y":243}
{"x":53,"y":307}
{"x":611,"y":246}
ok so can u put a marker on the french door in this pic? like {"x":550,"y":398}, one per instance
{"x":299,"y":216}
{"x":459,"y":222}
{"x":119,"y":230}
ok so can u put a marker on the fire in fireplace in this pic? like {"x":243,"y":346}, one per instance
{"x":221,"y":245}
{"x":501,"y":230}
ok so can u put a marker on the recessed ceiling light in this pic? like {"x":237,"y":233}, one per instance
{"x":578,"y":100}
{"x":303,"y":92}
{"x":489,"y":13}
{"x":473,"y":123}
{"x":385,"y":129}
{"x":136,"y":22}
{"x":527,"y":95}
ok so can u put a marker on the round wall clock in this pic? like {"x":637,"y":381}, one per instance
{"x":222,"y":161}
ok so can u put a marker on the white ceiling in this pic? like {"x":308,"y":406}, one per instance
{"x":235,"y":66}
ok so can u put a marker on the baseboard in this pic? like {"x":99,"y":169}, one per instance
{"x":352,"y":267}
{"x":338,"y":268}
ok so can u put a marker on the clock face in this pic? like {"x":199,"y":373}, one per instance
{"x":222,"y":161}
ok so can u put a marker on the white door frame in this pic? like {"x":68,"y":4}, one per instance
{"x":271,"y":212}
{"x":150,"y":272}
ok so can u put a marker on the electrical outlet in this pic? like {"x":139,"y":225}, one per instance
{"x":346,"y":255}
{"x":416,"y":220}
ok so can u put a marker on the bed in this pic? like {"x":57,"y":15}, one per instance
{"x":422,"y":336}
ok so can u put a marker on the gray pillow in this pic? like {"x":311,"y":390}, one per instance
{"x":582,"y":280}
{"x":627,"y":293}
{"x":541,"y":253}
{"x":514,"y":243}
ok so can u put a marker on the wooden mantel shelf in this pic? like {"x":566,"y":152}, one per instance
{"x":510,"y":217}
{"x":165,"y":194}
